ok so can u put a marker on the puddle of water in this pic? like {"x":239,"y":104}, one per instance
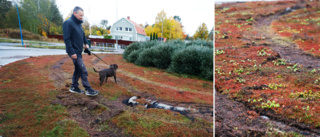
{"x":132,"y":101}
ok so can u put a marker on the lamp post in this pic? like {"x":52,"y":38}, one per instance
{"x":116,"y":46}
{"x":19,"y":22}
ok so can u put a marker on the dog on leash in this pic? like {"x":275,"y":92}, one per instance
{"x":109,"y":72}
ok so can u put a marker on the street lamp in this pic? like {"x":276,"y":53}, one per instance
{"x":19,"y":22}
{"x":116,"y":46}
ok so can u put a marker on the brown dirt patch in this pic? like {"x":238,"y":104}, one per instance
{"x":233,"y":118}
{"x":91,"y":112}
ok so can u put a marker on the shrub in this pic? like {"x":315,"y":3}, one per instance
{"x":130,"y":48}
{"x":133,"y":56}
{"x":158,"y":56}
{"x":201,"y":43}
{"x":162,"y":56}
{"x":27,"y":35}
{"x":175,"y":42}
{"x":206,"y":67}
{"x":145,"y":58}
{"x":193,"y":60}
{"x":149,"y":44}
{"x":174,"y":56}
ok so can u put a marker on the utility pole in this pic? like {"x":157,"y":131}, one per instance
{"x":116,"y":46}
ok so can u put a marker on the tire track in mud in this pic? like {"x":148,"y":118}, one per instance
{"x":57,"y":74}
{"x":204,"y":111}
{"x":286,"y":48}
{"x":83,"y":109}
{"x":233,"y":118}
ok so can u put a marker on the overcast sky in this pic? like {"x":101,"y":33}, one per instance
{"x":192,"y":12}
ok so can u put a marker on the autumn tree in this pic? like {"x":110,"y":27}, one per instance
{"x":172,"y":29}
{"x":86,"y":27}
{"x":202,"y":32}
{"x":40,"y":15}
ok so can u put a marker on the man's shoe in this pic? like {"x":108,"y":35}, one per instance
{"x":76,"y":90}
{"x":91,"y":92}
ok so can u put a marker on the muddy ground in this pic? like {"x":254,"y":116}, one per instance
{"x":89,"y":112}
{"x":233,"y":118}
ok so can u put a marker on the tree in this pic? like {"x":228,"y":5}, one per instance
{"x":5,"y":7}
{"x":86,"y":27}
{"x":170,"y":26}
{"x":145,"y":26}
{"x":177,"y":18}
{"x":202,"y":32}
{"x":210,"y":36}
{"x":104,"y":23}
{"x":106,"y":36}
{"x":151,"y":37}
{"x":100,"y":31}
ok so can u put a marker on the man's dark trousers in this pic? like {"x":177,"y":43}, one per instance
{"x":80,"y":70}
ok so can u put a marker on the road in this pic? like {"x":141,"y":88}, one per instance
{"x":9,"y":53}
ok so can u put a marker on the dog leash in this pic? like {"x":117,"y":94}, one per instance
{"x":99,"y":58}
{"x":89,"y":53}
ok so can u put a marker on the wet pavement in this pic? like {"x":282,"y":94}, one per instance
{"x":9,"y":52}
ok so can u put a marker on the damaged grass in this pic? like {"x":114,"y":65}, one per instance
{"x":27,"y":90}
{"x":256,"y":75}
{"x":25,"y":109}
{"x":157,"y":122}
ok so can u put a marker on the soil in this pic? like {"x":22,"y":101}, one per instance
{"x":91,"y":112}
{"x":287,"y":49}
{"x":233,"y":118}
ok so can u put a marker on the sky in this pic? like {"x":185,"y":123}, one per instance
{"x":192,"y":12}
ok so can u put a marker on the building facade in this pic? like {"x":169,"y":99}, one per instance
{"x":126,"y":29}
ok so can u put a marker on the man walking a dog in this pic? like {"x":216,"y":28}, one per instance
{"x":74,"y":38}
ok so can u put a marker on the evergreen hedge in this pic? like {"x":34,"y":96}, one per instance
{"x":175,"y":56}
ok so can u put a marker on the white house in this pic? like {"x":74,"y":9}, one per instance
{"x":126,"y":29}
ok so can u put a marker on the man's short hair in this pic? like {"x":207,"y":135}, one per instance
{"x":76,"y":9}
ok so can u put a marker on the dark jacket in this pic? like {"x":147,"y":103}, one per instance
{"x":73,"y":36}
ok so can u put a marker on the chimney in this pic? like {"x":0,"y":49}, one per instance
{"x":128,"y":17}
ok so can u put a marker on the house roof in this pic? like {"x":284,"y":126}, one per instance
{"x":139,"y":29}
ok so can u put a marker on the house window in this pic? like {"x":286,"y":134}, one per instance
{"x":130,"y":38}
{"x":119,"y":29}
{"x":130,"y":29}
{"x":127,"y":29}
